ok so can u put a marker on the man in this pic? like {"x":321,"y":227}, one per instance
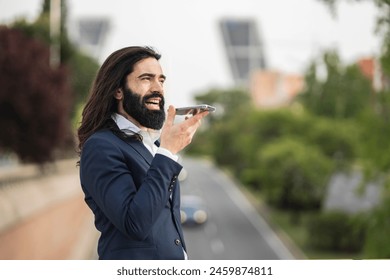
{"x":129,"y":179}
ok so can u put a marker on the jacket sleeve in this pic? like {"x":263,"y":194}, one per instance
{"x":106,"y":178}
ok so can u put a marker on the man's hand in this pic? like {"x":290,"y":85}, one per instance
{"x":175,"y":137}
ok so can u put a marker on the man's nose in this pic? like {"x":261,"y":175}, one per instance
{"x":157,"y":86}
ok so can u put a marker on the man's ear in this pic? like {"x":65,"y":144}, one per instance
{"x":119,"y":94}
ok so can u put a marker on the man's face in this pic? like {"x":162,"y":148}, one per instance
{"x":143,"y":100}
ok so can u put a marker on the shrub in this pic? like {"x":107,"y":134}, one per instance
{"x":293,"y":175}
{"x":378,"y":239}
{"x":336,"y":231}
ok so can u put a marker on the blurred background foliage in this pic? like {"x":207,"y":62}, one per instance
{"x":338,"y":123}
{"x":41,"y":113}
{"x":287,"y":156}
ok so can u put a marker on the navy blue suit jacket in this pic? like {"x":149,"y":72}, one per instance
{"x":129,"y":192}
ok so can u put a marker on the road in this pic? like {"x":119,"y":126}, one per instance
{"x":234,"y":230}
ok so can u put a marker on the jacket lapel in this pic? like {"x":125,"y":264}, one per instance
{"x":135,"y":144}
{"x":139,"y":147}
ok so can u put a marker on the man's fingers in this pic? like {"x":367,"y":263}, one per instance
{"x":174,"y":137}
{"x":194,"y":119}
{"x":171,"y":115}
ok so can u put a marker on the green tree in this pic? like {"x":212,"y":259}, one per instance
{"x":57,"y":95}
{"x":337,"y":231}
{"x":374,"y":147}
{"x":377,"y":242}
{"x":294,"y":175}
{"x":345,"y":92}
{"x":233,"y":107}
{"x":34,"y":99}
{"x":82,"y":68}
{"x":40,"y":29}
{"x":228,"y":102}
{"x":374,"y":120}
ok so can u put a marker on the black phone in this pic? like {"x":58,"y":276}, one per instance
{"x":192,"y":110}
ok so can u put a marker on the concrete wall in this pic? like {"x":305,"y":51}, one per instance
{"x":44,"y":216}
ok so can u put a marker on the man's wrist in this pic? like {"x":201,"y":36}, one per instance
{"x":167,"y":153}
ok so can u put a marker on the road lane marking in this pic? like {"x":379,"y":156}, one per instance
{"x":251,"y":213}
{"x":217,"y":246}
{"x":211,"y":229}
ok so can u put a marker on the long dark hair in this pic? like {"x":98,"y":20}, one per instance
{"x":111,"y":76}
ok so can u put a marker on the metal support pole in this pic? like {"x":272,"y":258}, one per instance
{"x":55,"y":32}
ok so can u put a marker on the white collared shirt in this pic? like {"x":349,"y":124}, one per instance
{"x":149,"y":136}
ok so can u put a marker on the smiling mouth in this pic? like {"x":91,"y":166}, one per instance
{"x":153,"y":103}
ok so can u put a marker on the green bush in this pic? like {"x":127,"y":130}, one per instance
{"x":337,"y":140}
{"x":293,"y":175}
{"x":378,"y":228}
{"x":336,"y":231}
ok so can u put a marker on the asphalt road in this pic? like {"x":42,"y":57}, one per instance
{"x":234,"y":230}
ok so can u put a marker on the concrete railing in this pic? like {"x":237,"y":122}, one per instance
{"x":44,"y":216}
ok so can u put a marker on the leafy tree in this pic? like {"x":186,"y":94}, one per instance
{"x":248,"y":131}
{"x":82,"y":71}
{"x":374,"y":147}
{"x":228,"y":102}
{"x":81,"y":67}
{"x":232,"y":142}
{"x":293,"y":174}
{"x":377,"y":241}
{"x":289,"y":154}
{"x":40,"y":29}
{"x":337,"y":140}
{"x":228,"y":127}
{"x":337,"y":231}
{"x":34,"y":98}
{"x":345,"y":92}
{"x":56,"y":93}
{"x":374,"y":120}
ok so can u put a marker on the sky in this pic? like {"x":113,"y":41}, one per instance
{"x":187,"y":35}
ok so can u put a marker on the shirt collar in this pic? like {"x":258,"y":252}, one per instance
{"x":129,"y":127}
{"x":124,"y":124}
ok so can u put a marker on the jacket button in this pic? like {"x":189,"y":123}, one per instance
{"x":177,"y":242}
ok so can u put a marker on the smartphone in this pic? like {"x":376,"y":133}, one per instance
{"x":192,"y":110}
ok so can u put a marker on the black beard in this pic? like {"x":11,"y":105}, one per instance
{"x":134,"y":105}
